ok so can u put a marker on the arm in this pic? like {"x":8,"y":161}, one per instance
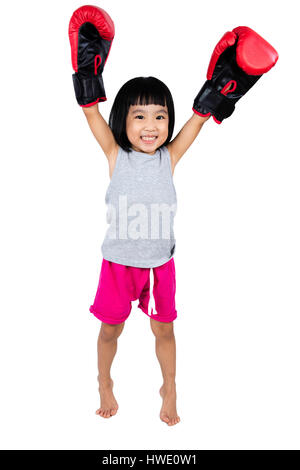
{"x":101,"y":130}
{"x":185,"y":137}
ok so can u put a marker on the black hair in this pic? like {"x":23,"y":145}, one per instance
{"x":143,"y":91}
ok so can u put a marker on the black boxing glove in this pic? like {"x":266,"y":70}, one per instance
{"x":91,"y":31}
{"x":239,"y":59}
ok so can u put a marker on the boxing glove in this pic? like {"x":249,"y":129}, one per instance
{"x":239,"y":59}
{"x":91,"y":31}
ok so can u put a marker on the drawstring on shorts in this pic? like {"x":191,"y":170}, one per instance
{"x":151,"y":306}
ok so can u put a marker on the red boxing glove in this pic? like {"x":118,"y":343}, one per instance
{"x":91,"y":31}
{"x":239,"y":59}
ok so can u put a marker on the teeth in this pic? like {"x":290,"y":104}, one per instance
{"x":148,"y":138}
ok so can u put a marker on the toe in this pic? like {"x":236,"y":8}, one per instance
{"x":173,"y":421}
{"x":164,"y":417}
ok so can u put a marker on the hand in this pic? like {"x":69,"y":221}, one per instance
{"x":91,"y":31}
{"x":238,"y":61}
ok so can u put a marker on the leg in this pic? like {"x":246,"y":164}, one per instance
{"x":107,"y":347}
{"x":165,"y":348}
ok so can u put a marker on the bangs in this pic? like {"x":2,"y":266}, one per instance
{"x":144,"y":97}
{"x":146,"y":91}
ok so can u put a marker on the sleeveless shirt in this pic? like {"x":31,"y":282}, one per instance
{"x":141,"y":205}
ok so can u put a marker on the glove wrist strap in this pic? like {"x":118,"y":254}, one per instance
{"x":88,"y":90}
{"x":210,"y":100}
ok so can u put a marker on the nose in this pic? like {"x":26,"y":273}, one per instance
{"x":150,"y":124}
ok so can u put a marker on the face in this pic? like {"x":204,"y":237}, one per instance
{"x":150,"y":121}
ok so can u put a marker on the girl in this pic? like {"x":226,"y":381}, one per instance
{"x":141,"y":158}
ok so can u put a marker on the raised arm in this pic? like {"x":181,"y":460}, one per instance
{"x":91,"y":32}
{"x":184,"y":139}
{"x":101,"y":131}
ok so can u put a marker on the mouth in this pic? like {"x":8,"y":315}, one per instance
{"x":148,"y":139}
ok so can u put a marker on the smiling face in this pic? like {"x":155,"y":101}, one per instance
{"x":144,"y":121}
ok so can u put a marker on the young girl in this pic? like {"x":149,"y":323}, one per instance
{"x":139,"y":244}
{"x":141,"y":159}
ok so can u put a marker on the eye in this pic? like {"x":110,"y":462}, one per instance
{"x":141,"y":116}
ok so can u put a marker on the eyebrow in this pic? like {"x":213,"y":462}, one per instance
{"x":142,"y":111}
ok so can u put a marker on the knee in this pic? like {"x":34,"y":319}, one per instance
{"x":110,"y":332}
{"x":162,"y":330}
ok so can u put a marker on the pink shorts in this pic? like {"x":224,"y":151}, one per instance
{"x":120,"y":284}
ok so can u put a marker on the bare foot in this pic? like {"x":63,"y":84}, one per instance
{"x":168,"y":412}
{"x":109,"y":405}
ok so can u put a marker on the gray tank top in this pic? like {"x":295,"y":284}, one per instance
{"x":141,"y":205}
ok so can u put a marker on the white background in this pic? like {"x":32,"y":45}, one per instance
{"x":237,"y":230}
